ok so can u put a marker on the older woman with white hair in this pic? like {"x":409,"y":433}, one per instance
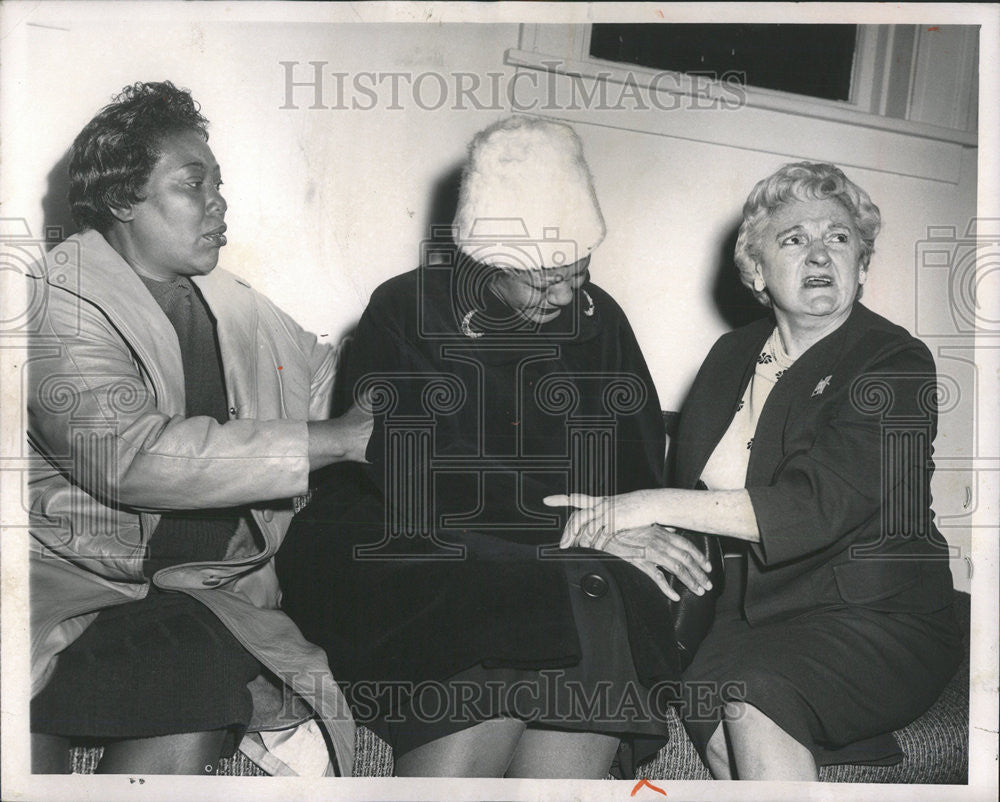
{"x":835,"y":626}
{"x":460,"y":631}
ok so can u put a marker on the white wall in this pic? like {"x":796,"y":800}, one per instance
{"x":325,"y":203}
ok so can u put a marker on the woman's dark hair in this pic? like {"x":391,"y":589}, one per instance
{"x":114,"y":154}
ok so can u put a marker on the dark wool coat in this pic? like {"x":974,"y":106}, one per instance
{"x":839,"y":472}
{"x":505,"y":401}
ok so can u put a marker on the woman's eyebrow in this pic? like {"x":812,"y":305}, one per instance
{"x":200,"y":165}
{"x":787,"y":231}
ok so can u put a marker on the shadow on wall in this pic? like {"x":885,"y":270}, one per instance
{"x":57,"y":220}
{"x":736,"y":305}
{"x":442,"y":207}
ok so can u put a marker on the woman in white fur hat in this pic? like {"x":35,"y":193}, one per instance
{"x":460,"y":633}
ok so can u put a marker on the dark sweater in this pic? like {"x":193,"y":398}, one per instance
{"x":183,"y":537}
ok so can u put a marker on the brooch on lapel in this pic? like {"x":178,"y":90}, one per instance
{"x":589,"y":310}
{"x":823,"y":384}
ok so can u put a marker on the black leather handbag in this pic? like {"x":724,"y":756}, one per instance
{"x":686,"y":621}
{"x":693,"y":614}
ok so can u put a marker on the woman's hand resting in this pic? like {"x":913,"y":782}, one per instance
{"x":651,"y":548}
{"x":623,"y":526}
{"x":343,"y":439}
{"x":598,"y":518}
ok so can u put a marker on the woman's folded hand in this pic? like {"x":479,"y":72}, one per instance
{"x":625,"y":526}
{"x":651,"y":548}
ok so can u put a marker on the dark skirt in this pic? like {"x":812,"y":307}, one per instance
{"x":600,"y":693}
{"x":426,"y":645}
{"x":838,"y":680}
{"x":164,"y":665}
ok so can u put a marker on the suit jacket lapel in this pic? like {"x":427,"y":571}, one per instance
{"x":819,"y":371}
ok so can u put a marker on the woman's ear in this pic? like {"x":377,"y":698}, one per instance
{"x":123,"y":214}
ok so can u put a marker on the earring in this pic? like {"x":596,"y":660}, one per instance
{"x":862,"y":277}
{"x":758,"y":284}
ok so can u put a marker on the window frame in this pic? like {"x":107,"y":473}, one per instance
{"x":884,"y":79}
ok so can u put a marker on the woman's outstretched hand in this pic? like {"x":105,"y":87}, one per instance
{"x":597,"y":518}
{"x":603,"y":523}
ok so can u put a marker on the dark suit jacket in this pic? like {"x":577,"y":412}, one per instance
{"x":839,"y":474}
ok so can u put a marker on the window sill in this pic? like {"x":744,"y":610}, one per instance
{"x":676,"y":105}
{"x":753,"y":97}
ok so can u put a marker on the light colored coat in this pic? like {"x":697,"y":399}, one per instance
{"x":107,"y":430}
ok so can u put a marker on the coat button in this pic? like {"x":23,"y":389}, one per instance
{"x":594,"y":585}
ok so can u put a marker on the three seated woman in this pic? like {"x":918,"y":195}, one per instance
{"x":466,"y":618}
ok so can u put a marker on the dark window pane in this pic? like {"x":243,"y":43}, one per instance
{"x":813,"y":60}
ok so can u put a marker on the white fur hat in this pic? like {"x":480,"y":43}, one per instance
{"x":527,"y":200}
